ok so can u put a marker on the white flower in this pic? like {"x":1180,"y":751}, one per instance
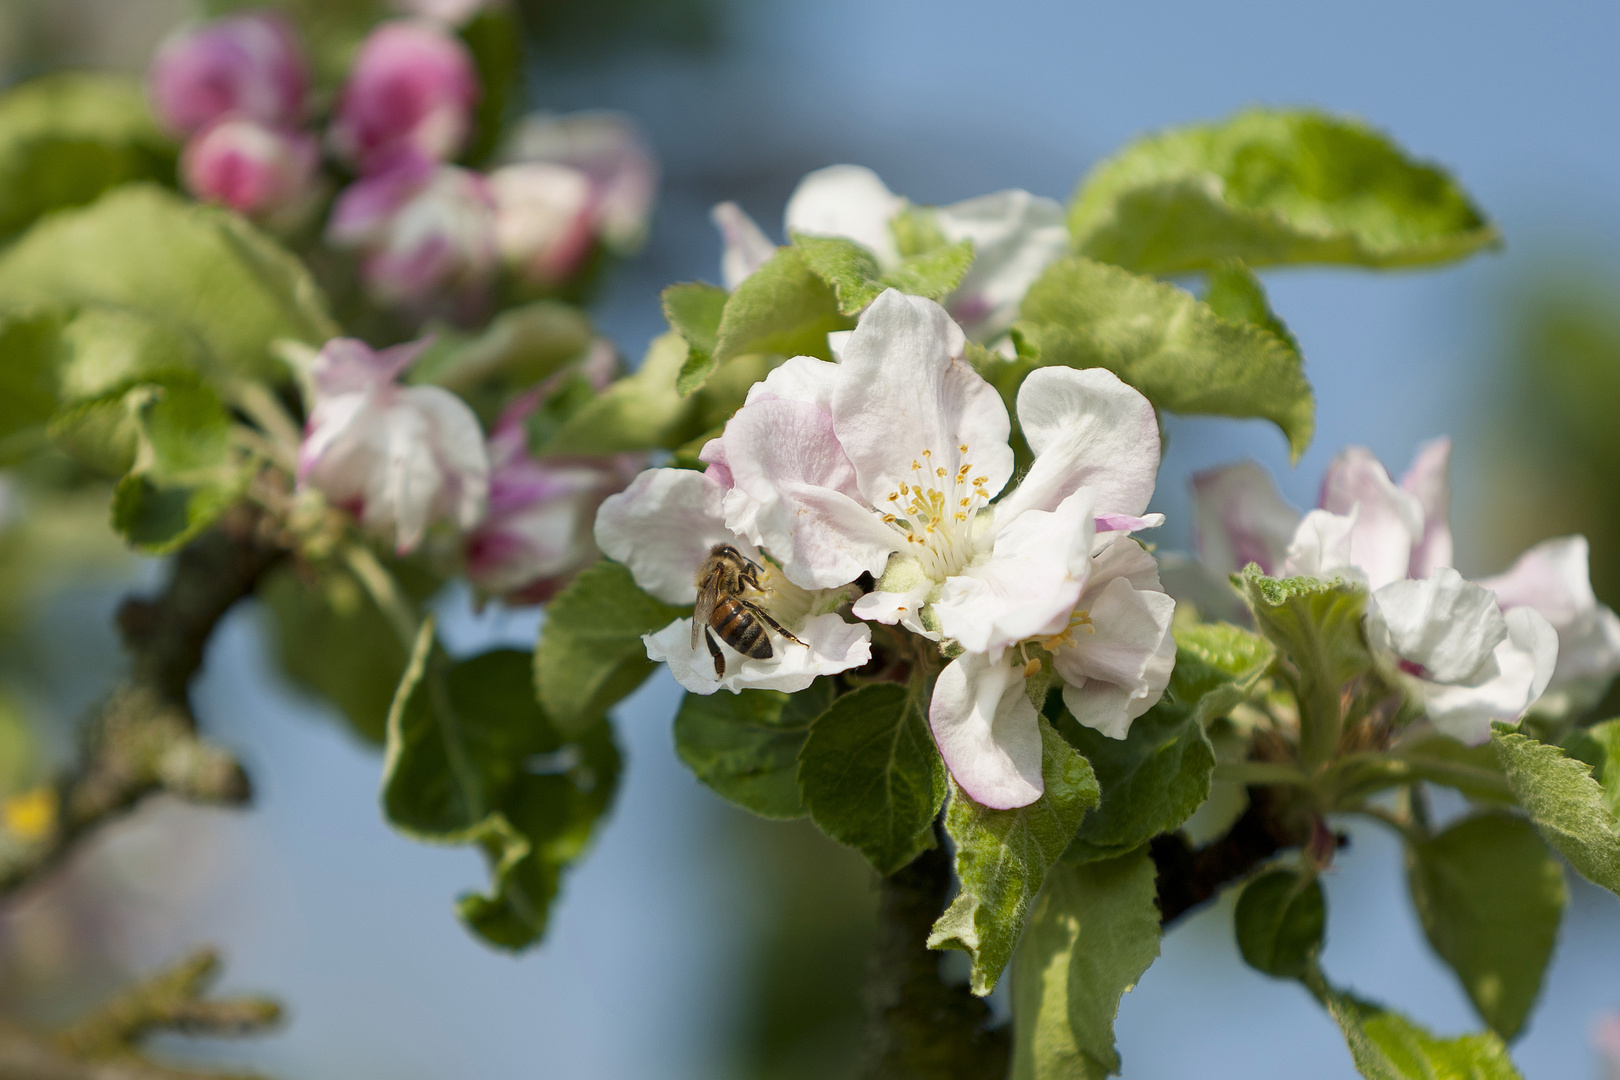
{"x":663,"y":527}
{"x":398,"y":457}
{"x":614,"y":156}
{"x":1015,"y":236}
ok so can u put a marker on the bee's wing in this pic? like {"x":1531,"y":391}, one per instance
{"x":708,"y":596}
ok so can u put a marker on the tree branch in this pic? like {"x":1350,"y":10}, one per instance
{"x":144,"y":739}
{"x":1189,"y":877}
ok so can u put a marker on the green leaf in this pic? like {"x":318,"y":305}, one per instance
{"x":591,"y":654}
{"x":1490,"y":895}
{"x":521,"y":347}
{"x":1279,"y":921}
{"x":331,"y":639}
{"x":1236,"y":295}
{"x":1606,"y":738}
{"x":870,"y":774}
{"x":641,"y":411}
{"x":28,"y":380}
{"x":202,"y":270}
{"x":495,"y":40}
{"x":1567,"y":805}
{"x":471,"y":758}
{"x":693,"y":310}
{"x":1272,"y":186}
{"x":1171,"y":346}
{"x":1387,"y":1046}
{"x":857,"y":279}
{"x":783,"y":308}
{"x":1094,"y":931}
{"x":67,"y":138}
{"x":1318,"y":625}
{"x":1155,"y":778}
{"x":746,"y":746}
{"x":1002,"y":857}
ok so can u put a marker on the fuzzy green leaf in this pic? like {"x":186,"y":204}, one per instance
{"x":1236,"y":295}
{"x":471,"y":758}
{"x":1387,"y":1046}
{"x":1272,"y":186}
{"x":1094,"y":931}
{"x":1279,"y":921}
{"x":784,"y":307}
{"x":871,"y":776}
{"x":857,"y":279}
{"x":1490,"y":895}
{"x":1002,"y":857}
{"x":641,"y":411}
{"x":521,"y":347}
{"x":1167,"y":343}
{"x":28,"y":376}
{"x":693,"y":310}
{"x":1569,"y":807}
{"x":591,"y":654}
{"x":746,"y":746}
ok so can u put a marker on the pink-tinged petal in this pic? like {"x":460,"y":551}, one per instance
{"x":363,"y":210}
{"x":543,"y":219}
{"x":1115,"y":667}
{"x":800,"y":378}
{"x":437,"y":244}
{"x":611,"y":149}
{"x":794,"y":494}
{"x":1445,"y":625}
{"x":849,"y":201}
{"x":1510,"y":681}
{"x":662,"y":527}
{"x":460,"y":453}
{"x":249,"y":65}
{"x":713,"y":455}
{"x":907,"y":402}
{"x":1389,"y":521}
{"x":1242,"y":519}
{"x":252,"y":167}
{"x":449,"y":12}
{"x":1429,"y":480}
{"x":1015,"y":236}
{"x":744,"y":246}
{"x":988,"y":732}
{"x":830,"y":645}
{"x":1028,"y":585}
{"x":1322,"y":547}
{"x":410,"y":91}
{"x":1127,"y":523}
{"x":348,"y":365}
{"x":1087,"y":429}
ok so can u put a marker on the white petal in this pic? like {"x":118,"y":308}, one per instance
{"x":1028,"y":585}
{"x":1448,"y":626}
{"x":1116,"y":668}
{"x":744,"y":246}
{"x":1507,"y":685}
{"x":836,"y":340}
{"x":1553,"y":578}
{"x":1429,"y":479}
{"x":1322,"y":547}
{"x":459,"y":442}
{"x":988,"y":732}
{"x":1389,"y":522}
{"x":848,"y":201}
{"x":1087,"y":429}
{"x":1242,"y":519}
{"x":907,"y":396}
{"x":900,"y":595}
{"x":1015,"y":236}
{"x":830,"y":645}
{"x":799,"y":378}
{"x":662,"y":527}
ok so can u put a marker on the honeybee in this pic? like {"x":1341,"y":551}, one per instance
{"x":723,"y":607}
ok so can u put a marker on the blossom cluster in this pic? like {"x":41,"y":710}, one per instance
{"x":432,"y":236}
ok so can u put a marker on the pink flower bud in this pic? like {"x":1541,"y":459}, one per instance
{"x":449,"y":12}
{"x":541,"y":512}
{"x":398,"y":457}
{"x":411,"y":91}
{"x":611,"y":151}
{"x":251,"y":65}
{"x":249,"y":166}
{"x":543,"y":219}
{"x":423,"y":231}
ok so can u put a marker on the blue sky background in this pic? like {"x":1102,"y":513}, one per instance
{"x":320,"y":902}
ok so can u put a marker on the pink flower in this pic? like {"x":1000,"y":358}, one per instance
{"x":424,"y":231}
{"x":544,"y":217}
{"x":251,"y":65}
{"x":614,"y":157}
{"x":398,"y":457}
{"x":539,"y":530}
{"x":410,"y":92}
{"x":249,"y":165}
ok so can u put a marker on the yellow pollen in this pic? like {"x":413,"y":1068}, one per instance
{"x":977,"y":480}
{"x":31,"y":816}
{"x":927,"y":453}
{"x":1031,"y":668}
{"x":889,"y":519}
{"x":905,"y":490}
{"x":960,"y":516}
{"x":939,"y":472}
{"x":915,"y":464}
{"x":893,"y":495}
{"x":963,"y":448}
{"x":964,"y":503}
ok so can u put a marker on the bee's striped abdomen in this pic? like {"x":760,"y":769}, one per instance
{"x":739,"y":628}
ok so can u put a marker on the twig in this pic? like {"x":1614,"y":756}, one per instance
{"x":1188,"y":877}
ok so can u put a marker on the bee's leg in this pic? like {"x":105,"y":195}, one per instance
{"x":765,"y":617}
{"x":714,"y":651}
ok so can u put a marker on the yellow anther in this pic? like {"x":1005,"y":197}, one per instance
{"x":965,"y":503}
{"x":927,"y":453}
{"x":889,"y":519}
{"x":31,"y":816}
{"x":1031,"y":668}
{"x":939,"y":472}
{"x":915,"y":464}
{"x":960,"y":516}
{"x":963,"y":448}
{"x":977,"y":480}
{"x":894,"y":496}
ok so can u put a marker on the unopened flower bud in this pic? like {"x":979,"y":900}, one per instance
{"x":410,"y":92}
{"x":247,"y":65}
{"x":248,"y":165}
{"x":543,"y":219}
{"x":613,"y":154}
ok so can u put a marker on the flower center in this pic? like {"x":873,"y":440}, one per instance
{"x":934,"y":511}
{"x":1079,"y":620}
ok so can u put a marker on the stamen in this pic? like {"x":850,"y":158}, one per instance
{"x":963,"y":448}
{"x":1031,"y":668}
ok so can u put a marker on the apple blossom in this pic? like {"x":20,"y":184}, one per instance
{"x":1015,"y":235}
{"x":246,"y":65}
{"x":423,"y":231}
{"x":543,"y":220}
{"x":250,"y":166}
{"x":410,"y":93}
{"x":539,"y":529}
{"x":397,"y":457}
{"x":612,"y":153}
{"x":663,"y":527}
